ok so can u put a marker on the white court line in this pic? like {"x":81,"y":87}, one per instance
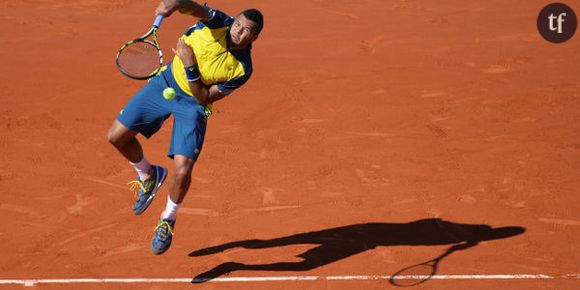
{"x":32,"y":282}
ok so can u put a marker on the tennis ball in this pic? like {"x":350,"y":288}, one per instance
{"x":169,"y":93}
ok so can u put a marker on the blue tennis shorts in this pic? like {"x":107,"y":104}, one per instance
{"x":147,"y":110}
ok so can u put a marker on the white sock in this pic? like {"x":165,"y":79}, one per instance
{"x":143,"y":168}
{"x":171,"y":209}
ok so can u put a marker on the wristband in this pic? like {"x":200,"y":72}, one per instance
{"x":192,"y":73}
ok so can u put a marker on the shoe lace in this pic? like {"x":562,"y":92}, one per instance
{"x":165,"y":226}
{"x":144,"y":186}
{"x":135,"y":185}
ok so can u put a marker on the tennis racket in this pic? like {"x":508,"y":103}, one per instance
{"x":141,"y":58}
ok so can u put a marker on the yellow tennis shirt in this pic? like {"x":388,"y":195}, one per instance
{"x":228,"y":69}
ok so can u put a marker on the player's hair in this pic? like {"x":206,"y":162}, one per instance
{"x":256,"y":16}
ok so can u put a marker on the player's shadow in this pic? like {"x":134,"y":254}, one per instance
{"x":342,"y":242}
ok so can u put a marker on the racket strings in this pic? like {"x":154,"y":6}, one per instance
{"x":140,"y":59}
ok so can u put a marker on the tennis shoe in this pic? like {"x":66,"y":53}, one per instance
{"x":146,"y":190}
{"x":162,"y":236}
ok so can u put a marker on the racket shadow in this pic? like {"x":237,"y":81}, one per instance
{"x":338,"y":243}
{"x":420,"y":273}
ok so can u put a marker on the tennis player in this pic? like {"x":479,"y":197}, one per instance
{"x":212,"y":60}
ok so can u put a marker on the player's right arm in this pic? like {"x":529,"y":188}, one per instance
{"x":189,"y":7}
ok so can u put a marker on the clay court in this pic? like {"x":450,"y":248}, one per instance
{"x":373,"y":135}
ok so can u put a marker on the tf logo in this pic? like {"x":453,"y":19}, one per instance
{"x":557,"y":23}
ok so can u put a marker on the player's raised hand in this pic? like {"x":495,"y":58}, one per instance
{"x":185,"y":53}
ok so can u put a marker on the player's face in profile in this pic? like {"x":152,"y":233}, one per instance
{"x":243,"y":31}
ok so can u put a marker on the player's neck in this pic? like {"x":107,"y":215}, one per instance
{"x":232,"y":46}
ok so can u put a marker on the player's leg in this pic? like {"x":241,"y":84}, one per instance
{"x":186,"y":143}
{"x":144,"y":114}
{"x":177,"y":190}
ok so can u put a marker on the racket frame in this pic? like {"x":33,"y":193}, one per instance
{"x":152,"y":32}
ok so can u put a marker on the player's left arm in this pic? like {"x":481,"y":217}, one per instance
{"x":205,"y":95}
{"x":202,"y":93}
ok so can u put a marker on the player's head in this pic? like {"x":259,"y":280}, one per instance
{"x":246,"y":27}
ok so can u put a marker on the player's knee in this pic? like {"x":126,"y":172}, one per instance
{"x":182,"y":173}
{"x":183,"y":169}
{"x":119,"y":135}
{"x":182,"y":179}
{"x":113,"y":138}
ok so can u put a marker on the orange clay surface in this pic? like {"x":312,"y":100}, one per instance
{"x":370,"y":111}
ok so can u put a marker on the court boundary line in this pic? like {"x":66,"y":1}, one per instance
{"x":32,"y":282}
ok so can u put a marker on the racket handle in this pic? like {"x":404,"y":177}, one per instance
{"x":158,"y":20}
